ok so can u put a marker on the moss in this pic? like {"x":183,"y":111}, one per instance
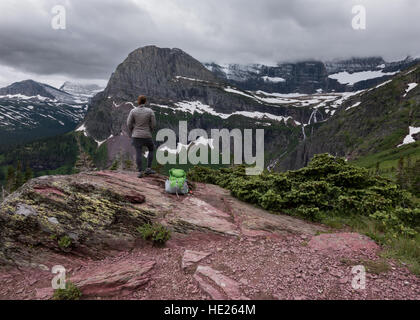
{"x":98,"y":212}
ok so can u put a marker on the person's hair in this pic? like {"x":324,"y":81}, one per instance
{"x":142,"y":100}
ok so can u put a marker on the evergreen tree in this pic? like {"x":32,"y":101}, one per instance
{"x":400,"y":172}
{"x":28,"y":173}
{"x":377,"y":168}
{"x":2,"y":175}
{"x":20,"y":178}
{"x":10,"y":178}
{"x":415,"y":178}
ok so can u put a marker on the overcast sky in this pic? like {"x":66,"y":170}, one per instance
{"x":100,"y":34}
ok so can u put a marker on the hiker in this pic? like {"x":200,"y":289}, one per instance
{"x":141,"y":122}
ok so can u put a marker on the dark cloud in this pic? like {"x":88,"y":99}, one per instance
{"x":101,"y":33}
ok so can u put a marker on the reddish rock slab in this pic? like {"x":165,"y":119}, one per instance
{"x":118,"y":279}
{"x":343,"y":242}
{"x":44,"y":293}
{"x":192,"y":257}
{"x":217,"y":285}
{"x":200,"y":215}
{"x":135,"y":198}
{"x":48,"y":190}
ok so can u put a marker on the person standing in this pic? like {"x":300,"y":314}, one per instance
{"x":141,"y":122}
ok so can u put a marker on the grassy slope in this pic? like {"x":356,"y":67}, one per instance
{"x":389,"y":158}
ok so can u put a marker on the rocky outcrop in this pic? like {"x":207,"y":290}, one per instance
{"x":220,"y":248}
{"x":99,"y":213}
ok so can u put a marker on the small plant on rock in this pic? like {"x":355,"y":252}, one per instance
{"x":71,"y":292}
{"x":155,"y":232}
{"x":115,"y":165}
{"x":65,"y":242}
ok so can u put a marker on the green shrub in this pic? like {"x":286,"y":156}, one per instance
{"x":114,"y":165}
{"x":65,"y":242}
{"x":327,"y":187}
{"x":71,"y":292}
{"x":156,"y":233}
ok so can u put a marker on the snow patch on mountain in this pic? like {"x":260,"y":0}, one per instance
{"x":198,"y":107}
{"x":411,"y":86}
{"x":83,"y":129}
{"x":354,"y":106}
{"x":23,"y":97}
{"x":409,"y":138}
{"x":273,"y":79}
{"x":382,"y":84}
{"x":352,"y":78}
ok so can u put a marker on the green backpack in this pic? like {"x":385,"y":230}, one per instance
{"x":177,"y":182}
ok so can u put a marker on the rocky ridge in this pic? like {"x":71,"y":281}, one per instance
{"x":221,"y":248}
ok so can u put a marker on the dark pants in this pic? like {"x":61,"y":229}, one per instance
{"x":138,"y":143}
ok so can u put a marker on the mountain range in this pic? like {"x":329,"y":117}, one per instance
{"x":30,"y":110}
{"x":311,"y":76}
{"x":352,"y":108}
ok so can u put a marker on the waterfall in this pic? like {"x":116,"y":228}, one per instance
{"x":303,"y":132}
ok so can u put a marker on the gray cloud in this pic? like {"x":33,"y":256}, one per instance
{"x":101,"y":33}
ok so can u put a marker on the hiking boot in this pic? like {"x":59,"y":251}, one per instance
{"x":150,"y":171}
{"x":141,"y":174}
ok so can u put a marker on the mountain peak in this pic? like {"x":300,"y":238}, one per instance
{"x":28,"y":88}
{"x":151,"y":70}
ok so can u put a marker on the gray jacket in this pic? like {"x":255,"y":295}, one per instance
{"x":141,"y":122}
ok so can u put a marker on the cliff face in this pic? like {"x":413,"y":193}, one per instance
{"x":354,"y":64}
{"x":303,"y":77}
{"x":153,"y":71}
